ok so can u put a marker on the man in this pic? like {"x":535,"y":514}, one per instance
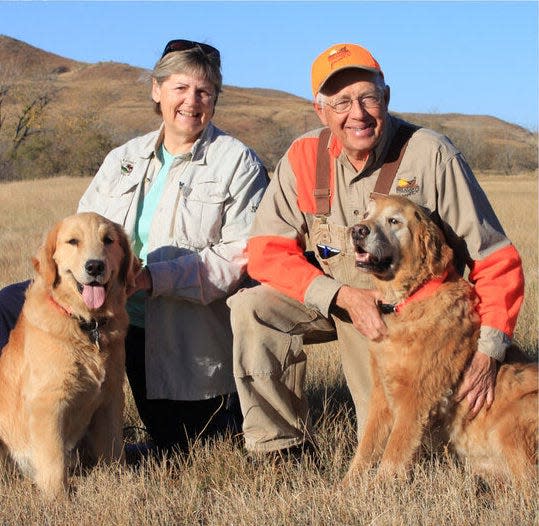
{"x":298,"y":302}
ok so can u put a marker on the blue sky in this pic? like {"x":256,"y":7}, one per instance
{"x":458,"y":56}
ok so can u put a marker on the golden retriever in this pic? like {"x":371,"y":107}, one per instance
{"x":62,"y":371}
{"x":417,"y":366}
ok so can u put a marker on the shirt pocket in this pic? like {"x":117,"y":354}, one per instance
{"x":201,"y":213}
{"x":117,"y":198}
{"x":335,"y":254}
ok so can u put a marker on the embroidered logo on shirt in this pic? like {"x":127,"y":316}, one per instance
{"x":407,"y":187}
{"x":126,"y":167}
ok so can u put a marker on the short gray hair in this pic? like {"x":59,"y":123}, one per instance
{"x":192,"y":61}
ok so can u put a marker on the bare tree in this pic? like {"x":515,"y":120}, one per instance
{"x":22,"y":111}
{"x":30,"y":120}
{"x":3,"y":92}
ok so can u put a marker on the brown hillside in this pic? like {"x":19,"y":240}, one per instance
{"x":18,"y":59}
{"x":114,"y":101}
{"x":489,"y":128}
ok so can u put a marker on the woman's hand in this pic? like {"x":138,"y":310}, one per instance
{"x":143,"y":281}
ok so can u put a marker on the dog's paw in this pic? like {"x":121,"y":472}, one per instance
{"x":389,"y":473}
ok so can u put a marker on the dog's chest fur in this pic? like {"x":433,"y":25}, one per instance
{"x":422,"y":341}
{"x":65,"y":372}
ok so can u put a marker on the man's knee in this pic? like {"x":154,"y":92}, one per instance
{"x":264,"y":306}
{"x":244,"y":299}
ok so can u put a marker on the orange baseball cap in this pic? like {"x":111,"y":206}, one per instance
{"x":337,"y":58}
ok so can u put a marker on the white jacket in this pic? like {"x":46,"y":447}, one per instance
{"x":196,"y":253}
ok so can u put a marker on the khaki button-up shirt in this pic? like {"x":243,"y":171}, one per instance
{"x":196,"y":253}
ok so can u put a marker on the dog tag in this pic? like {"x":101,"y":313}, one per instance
{"x":94,"y":335}
{"x":93,"y":332}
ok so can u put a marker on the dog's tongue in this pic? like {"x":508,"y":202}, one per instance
{"x":93,"y":296}
{"x":362,"y":257}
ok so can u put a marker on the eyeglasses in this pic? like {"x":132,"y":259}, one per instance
{"x":184,"y":45}
{"x":368,"y":101}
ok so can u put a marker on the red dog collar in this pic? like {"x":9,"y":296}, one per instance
{"x":427,"y":289}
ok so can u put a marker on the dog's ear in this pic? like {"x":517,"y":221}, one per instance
{"x":430,"y":243}
{"x":44,"y":263}
{"x":131,"y":264}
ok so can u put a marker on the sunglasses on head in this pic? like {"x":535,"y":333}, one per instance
{"x":184,"y":45}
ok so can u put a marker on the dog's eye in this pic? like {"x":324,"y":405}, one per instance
{"x":107,"y":240}
{"x":393,"y":221}
{"x":73,"y":241}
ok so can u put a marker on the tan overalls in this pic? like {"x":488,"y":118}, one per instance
{"x":269,"y":332}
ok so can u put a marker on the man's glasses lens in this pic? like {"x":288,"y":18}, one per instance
{"x":367,"y":101}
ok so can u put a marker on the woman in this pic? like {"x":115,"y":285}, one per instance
{"x":186,"y":194}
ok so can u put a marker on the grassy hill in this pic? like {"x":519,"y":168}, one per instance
{"x":93,"y":107}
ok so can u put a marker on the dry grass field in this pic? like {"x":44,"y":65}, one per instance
{"x":216,"y":485}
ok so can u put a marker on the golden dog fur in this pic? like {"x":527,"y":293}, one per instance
{"x":418,"y":365}
{"x":62,"y":371}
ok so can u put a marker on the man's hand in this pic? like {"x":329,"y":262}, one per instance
{"x":478,"y":383}
{"x":363,"y":311}
{"x":143,"y":281}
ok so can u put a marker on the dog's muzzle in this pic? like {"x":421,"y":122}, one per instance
{"x":369,"y":260}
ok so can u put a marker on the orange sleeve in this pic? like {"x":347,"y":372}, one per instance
{"x":280,"y":262}
{"x":499,"y":285}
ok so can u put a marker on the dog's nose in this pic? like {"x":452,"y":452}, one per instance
{"x":94,"y":267}
{"x":360,"y":232}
